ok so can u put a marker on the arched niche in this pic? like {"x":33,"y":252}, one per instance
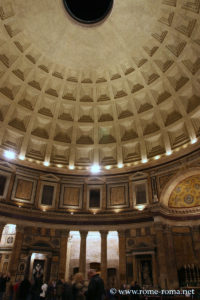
{"x":174,"y":182}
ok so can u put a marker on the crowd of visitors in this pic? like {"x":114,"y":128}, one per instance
{"x":76,"y":289}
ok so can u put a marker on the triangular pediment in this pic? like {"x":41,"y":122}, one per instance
{"x":6,"y":166}
{"x":50,"y":177}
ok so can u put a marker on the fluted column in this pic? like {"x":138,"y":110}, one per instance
{"x":63,"y":253}
{"x":104,"y":255}
{"x":2,"y":225}
{"x":16,"y":251}
{"x":82,"y":260}
{"x":122,"y":256}
{"x":171,"y":260}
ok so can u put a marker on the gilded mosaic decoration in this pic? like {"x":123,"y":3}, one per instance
{"x":186,"y":193}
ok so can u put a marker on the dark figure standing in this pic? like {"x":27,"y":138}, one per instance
{"x":24,"y":289}
{"x":96,"y":289}
{"x":4,"y":278}
{"x":135,"y":287}
{"x":67,"y":291}
{"x":59,"y":289}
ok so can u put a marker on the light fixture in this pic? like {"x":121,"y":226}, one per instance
{"x":157,"y":157}
{"x":169,"y":152}
{"x":95,"y":169}
{"x":46,"y":163}
{"x":21,"y":157}
{"x":140,"y":207}
{"x":71,"y":167}
{"x":108,"y":167}
{"x":120,"y":165}
{"x":144,"y":160}
{"x":193,"y":141}
{"x":9,"y":154}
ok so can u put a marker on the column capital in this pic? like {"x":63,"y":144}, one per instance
{"x":2,"y":224}
{"x":64,"y":232}
{"x":104,"y":233}
{"x":121,"y":232}
{"x":83,"y":233}
{"x":158,"y":226}
{"x":168,"y":228}
{"x":196,"y":228}
{"x":19,"y":228}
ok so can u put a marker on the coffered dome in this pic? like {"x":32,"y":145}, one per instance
{"x":117,"y":93}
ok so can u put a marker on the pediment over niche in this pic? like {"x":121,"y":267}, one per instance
{"x":138,"y":175}
{"x":6,"y":166}
{"x":95,"y":180}
{"x":50,"y":177}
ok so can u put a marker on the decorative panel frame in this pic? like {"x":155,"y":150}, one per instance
{"x":135,"y":183}
{"x":125,"y":203}
{"x":54,"y":184}
{"x":94,"y":187}
{"x":8,"y":176}
{"x":80,"y":200}
{"x":15,"y":190}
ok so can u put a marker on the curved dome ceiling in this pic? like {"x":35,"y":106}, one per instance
{"x":120,"y":92}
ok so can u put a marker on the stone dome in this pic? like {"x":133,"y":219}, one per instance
{"x":118,"y":93}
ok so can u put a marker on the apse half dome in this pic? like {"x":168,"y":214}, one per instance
{"x":88,"y":11}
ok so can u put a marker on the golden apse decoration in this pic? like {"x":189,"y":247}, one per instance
{"x":186,"y":193}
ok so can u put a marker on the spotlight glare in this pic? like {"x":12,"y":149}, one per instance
{"x":71,"y":167}
{"x":46,"y":163}
{"x":120,"y":165}
{"x":140,"y":207}
{"x":144,"y":160}
{"x":157,"y":157}
{"x":95,"y":169}
{"x":169,"y":152}
{"x":193,"y":141}
{"x":10,"y":154}
{"x":21,"y":157}
{"x":108,"y":167}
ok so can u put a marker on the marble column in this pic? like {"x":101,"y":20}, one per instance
{"x":171,"y":260}
{"x":16,"y":251}
{"x":82,"y":260}
{"x":122,"y":256}
{"x":161,"y":255}
{"x":154,"y":271}
{"x":104,"y":256}
{"x":63,"y":253}
{"x":2,"y":225}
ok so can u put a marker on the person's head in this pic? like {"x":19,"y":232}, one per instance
{"x":78,"y":277}
{"x":91,"y":273}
